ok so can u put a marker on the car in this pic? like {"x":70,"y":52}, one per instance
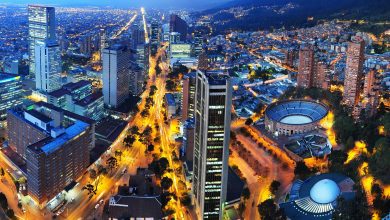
{"x":97,"y":206}
{"x":101,"y":201}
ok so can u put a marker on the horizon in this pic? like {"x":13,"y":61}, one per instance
{"x":156,"y":4}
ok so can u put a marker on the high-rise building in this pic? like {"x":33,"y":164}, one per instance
{"x":41,"y":26}
{"x":86,"y":45}
{"x":321,"y":75}
{"x":102,"y":42}
{"x":137,"y":79}
{"x":156,"y":32}
{"x":176,"y":24}
{"x":48,"y":66}
{"x":203,"y":61}
{"x":11,"y":93}
{"x":198,"y":43}
{"x":353,"y":72}
{"x":306,"y":66}
{"x":142,"y":58}
{"x":371,"y":91}
{"x":188,"y":101}
{"x":116,"y":75}
{"x":211,"y":150}
{"x":137,"y":35}
{"x":174,"y":38}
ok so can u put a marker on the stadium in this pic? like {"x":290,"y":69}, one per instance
{"x":316,"y":197}
{"x":294,"y":116}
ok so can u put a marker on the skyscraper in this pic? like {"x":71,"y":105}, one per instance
{"x":41,"y":26}
{"x":211,"y":149}
{"x":198,"y":43}
{"x":203,"y":61}
{"x":155,"y":29}
{"x":188,"y":101}
{"x":86,"y":45}
{"x":306,"y":66}
{"x":116,"y":75}
{"x":48,"y":66}
{"x":353,"y":72}
{"x":176,"y":24}
{"x":321,"y":75}
{"x":371,"y":91}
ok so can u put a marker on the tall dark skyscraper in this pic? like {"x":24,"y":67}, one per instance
{"x":156,"y":32}
{"x":176,"y":24}
{"x":41,"y":26}
{"x":211,"y":149}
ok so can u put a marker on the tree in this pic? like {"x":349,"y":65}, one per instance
{"x":91,"y":190}
{"x":118,"y":153}
{"x":249,"y":121}
{"x":379,"y":162}
{"x":92,"y":173}
{"x":352,"y":209}
{"x":112,"y":163}
{"x":269,"y":210}
{"x":165,"y":198}
{"x":145,"y":113}
{"x":302,"y":170}
{"x":350,"y":143}
{"x":274,"y":187}
{"x":159,"y":166}
{"x":10,"y":213}
{"x":3,"y":201}
{"x":246,"y":193}
{"x":166,"y":183}
{"x":336,"y":160}
{"x":129,"y":140}
{"x":101,"y":170}
{"x":134,"y":130}
{"x":150,"y":147}
{"x":186,"y":200}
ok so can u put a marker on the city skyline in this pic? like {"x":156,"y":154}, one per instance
{"x":158,"y":4}
{"x":254,"y":110}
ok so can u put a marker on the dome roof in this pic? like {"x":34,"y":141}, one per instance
{"x":324,"y":191}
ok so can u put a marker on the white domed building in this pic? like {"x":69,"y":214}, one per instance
{"x":316,"y":197}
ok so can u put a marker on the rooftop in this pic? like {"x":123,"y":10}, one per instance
{"x":39,"y":115}
{"x":89,"y":99}
{"x":170,"y":99}
{"x":5,"y":77}
{"x":49,"y":145}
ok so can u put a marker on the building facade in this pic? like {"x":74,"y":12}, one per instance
{"x":55,"y":144}
{"x":371,"y":91}
{"x":306,"y":66}
{"x":11,"y":93}
{"x":188,"y":101}
{"x":48,"y":66}
{"x":41,"y":26}
{"x":353,"y":72}
{"x":176,"y":24}
{"x":116,"y":76}
{"x":211,"y":149}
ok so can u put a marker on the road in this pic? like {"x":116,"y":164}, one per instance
{"x":125,"y":28}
